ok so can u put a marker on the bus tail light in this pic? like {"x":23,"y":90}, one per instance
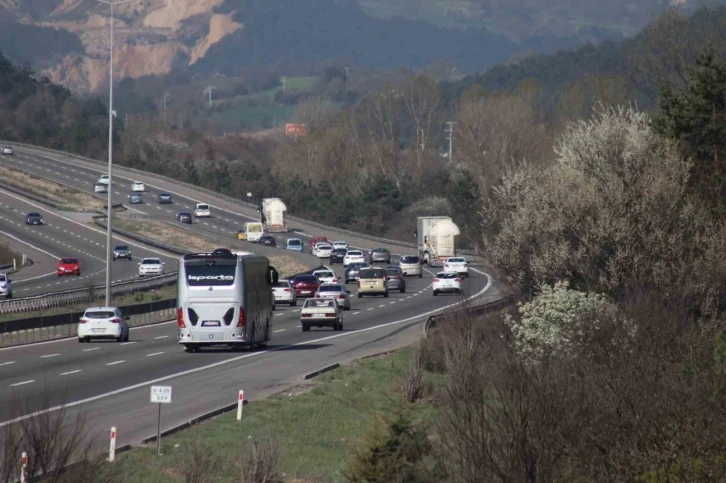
{"x":242,"y":317}
{"x":180,"y":318}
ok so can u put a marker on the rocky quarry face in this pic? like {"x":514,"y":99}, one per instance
{"x":150,"y":35}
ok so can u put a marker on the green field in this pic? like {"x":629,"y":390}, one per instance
{"x":316,"y":430}
{"x":259,"y":117}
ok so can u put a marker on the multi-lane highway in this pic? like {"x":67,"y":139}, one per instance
{"x":109,"y":382}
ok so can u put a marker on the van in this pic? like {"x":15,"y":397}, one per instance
{"x":202,"y":211}
{"x":372,"y":281}
{"x":411,"y":265}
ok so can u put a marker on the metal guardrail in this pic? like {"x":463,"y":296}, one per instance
{"x":433,"y":320}
{"x":36,"y":329}
{"x":83,"y":295}
{"x":233,"y":200}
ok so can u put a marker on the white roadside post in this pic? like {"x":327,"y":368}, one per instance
{"x":160,"y":395}
{"x":112,"y":445}
{"x":240,"y":403}
{"x":23,"y":465}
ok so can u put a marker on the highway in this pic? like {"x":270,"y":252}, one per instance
{"x":109,"y":381}
{"x":64,"y":236}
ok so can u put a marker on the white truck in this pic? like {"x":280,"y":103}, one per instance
{"x":273,"y":215}
{"x":436,"y":238}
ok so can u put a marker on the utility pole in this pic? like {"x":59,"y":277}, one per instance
{"x":346,"y":77}
{"x":163,"y":100}
{"x":450,"y":138}
{"x":111,"y":115}
{"x":208,"y":90}
{"x":283,"y":79}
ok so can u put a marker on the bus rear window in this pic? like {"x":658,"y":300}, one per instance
{"x":206,"y":276}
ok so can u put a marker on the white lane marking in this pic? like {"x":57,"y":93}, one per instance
{"x":114,"y":363}
{"x":7,"y":363}
{"x":93,"y":349}
{"x":370,"y":308}
{"x":161,"y":337}
{"x":34,"y":278}
{"x":155,"y":354}
{"x":276,"y":331}
{"x":30,"y":245}
{"x":22,"y":383}
{"x":247,"y":356}
{"x":355,"y":313}
{"x":382,"y":305}
{"x":127,"y":343}
{"x":70,"y":372}
{"x":49,"y":355}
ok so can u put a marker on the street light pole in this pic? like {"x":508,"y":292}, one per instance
{"x":109,"y":210}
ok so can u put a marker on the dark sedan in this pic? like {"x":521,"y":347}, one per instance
{"x":305,"y":285}
{"x":268,"y":241}
{"x":352,"y":273}
{"x":337,"y":255}
{"x":34,"y":219}
{"x":380,"y":255}
{"x":165,"y":199}
{"x":184,"y":217}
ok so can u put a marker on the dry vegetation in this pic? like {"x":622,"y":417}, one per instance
{"x":62,"y":195}
{"x":185,"y":239}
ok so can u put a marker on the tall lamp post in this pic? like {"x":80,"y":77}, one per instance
{"x":109,"y":211}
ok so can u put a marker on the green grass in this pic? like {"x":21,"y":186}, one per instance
{"x":257,"y":116}
{"x":317,"y":430}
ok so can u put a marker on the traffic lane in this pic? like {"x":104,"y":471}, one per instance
{"x":237,"y":213}
{"x":154,"y":356}
{"x":258,"y":373}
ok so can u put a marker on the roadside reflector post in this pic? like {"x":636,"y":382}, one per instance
{"x":23,"y":465}
{"x":112,"y":445}
{"x":240,"y":403}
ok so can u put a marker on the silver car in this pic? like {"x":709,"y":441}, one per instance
{"x":353,"y":271}
{"x":395,"y":279}
{"x":380,"y":255}
{"x":335,"y":291}
{"x":6,"y":286}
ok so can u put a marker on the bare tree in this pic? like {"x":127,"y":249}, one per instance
{"x":259,"y":461}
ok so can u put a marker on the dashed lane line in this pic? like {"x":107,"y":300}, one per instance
{"x":22,"y":383}
{"x":114,"y":363}
{"x":70,"y":372}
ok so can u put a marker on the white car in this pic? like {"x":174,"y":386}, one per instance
{"x":457,"y":265}
{"x":446,"y":283}
{"x":103,"y":323}
{"x":8,"y":150}
{"x":321,"y":313}
{"x":151,"y":266}
{"x":340,"y":244}
{"x":322,"y":250}
{"x":411,"y":265}
{"x":138,"y":187}
{"x":335,"y":291}
{"x":103,"y":179}
{"x":202,"y":211}
{"x":6,"y":286}
{"x":326,"y":276}
{"x":353,"y":256}
{"x":284,"y":293}
{"x":100,"y":188}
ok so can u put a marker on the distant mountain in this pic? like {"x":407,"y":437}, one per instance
{"x":224,"y":36}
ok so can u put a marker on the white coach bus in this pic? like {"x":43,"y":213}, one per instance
{"x":224,"y":299}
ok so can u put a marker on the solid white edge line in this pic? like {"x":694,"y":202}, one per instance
{"x":31,"y":246}
{"x":246,"y":356}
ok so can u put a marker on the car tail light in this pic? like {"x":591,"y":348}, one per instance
{"x":457,"y":280}
{"x":330,"y":314}
{"x":180,"y":318}
{"x":306,"y":315}
{"x":341,"y":296}
{"x":82,"y":321}
{"x":115,"y":320}
{"x":335,"y":280}
{"x":436,"y":280}
{"x":286,"y":290}
{"x":242,"y":317}
{"x":398,"y":277}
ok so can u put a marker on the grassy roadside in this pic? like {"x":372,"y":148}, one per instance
{"x":64,"y":196}
{"x":171,"y":235}
{"x":317,"y":427}
{"x":137,"y":298}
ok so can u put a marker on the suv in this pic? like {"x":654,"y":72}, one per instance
{"x":372,"y":281}
{"x":202,"y":211}
{"x":122,"y":251}
{"x":103,"y":179}
{"x":380,"y":255}
{"x":411,"y":265}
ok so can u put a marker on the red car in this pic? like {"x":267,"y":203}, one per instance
{"x":318,"y":239}
{"x":305,"y":285}
{"x":69,"y":266}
